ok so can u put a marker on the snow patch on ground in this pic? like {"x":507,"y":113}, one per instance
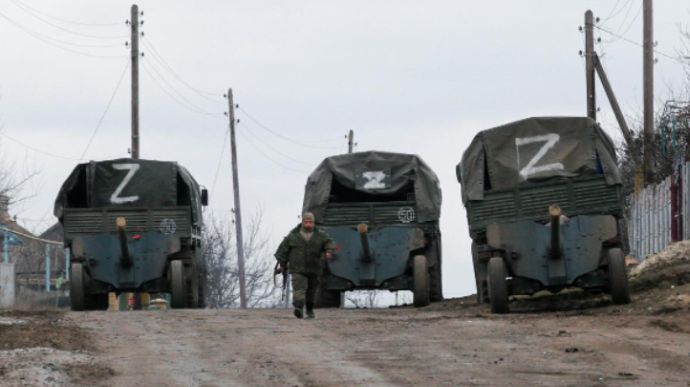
{"x":675,"y":254}
{"x":40,"y":366}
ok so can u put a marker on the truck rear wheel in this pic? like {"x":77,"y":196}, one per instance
{"x":421,"y":281}
{"x":77,"y":288}
{"x":436,"y":283}
{"x":618,"y":278}
{"x":178,"y":285}
{"x":498,"y":287}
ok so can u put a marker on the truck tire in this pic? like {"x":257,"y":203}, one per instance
{"x":618,"y":278}
{"x":436,"y":283}
{"x":178,"y":285}
{"x":77,"y":288}
{"x":498,"y":287}
{"x":420,"y":287}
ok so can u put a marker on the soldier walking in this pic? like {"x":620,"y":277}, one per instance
{"x":304,"y":249}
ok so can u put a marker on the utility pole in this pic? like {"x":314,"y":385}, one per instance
{"x":134,"y":23}
{"x":648,"y":79}
{"x":612,"y":100}
{"x":350,"y":141}
{"x":589,"y":65}
{"x":238,"y":212}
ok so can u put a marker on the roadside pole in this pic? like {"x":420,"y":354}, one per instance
{"x":237,"y":211}
{"x":134,"y":22}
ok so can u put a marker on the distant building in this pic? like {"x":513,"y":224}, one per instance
{"x":28,"y":252}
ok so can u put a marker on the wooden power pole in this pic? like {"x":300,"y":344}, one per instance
{"x":238,"y":212}
{"x":589,"y":65}
{"x":350,"y":141}
{"x":134,"y":22}
{"x":648,"y":79}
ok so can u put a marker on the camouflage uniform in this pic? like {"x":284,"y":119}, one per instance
{"x":305,"y":258}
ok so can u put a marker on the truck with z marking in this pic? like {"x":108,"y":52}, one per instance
{"x":382,"y":210}
{"x":544,"y":209}
{"x":133,"y":226}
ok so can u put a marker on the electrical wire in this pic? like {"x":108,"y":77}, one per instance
{"x":159,"y":58}
{"x":32,"y":13}
{"x":288,"y":139}
{"x":105,"y":112}
{"x":71,"y":21}
{"x":54,"y":42}
{"x":37,"y":150}
{"x":275,"y":150}
{"x":613,"y":12}
{"x":220,"y":161}
{"x":265,"y":155}
{"x":675,"y":59}
{"x":184,"y":102}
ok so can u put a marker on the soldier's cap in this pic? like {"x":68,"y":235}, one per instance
{"x":308,"y":216}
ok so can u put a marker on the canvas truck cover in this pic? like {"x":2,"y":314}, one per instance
{"x":375,"y":173}
{"x":534,"y":149}
{"x":126,"y":182}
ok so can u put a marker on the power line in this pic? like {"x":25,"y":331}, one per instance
{"x":37,"y":150}
{"x":54,"y":42}
{"x":632,"y":21}
{"x":158,"y":57}
{"x":675,"y":59}
{"x":70,"y":21}
{"x":277,"y":134}
{"x":184,"y":102}
{"x":273,"y":149}
{"x":33,"y":13}
{"x":615,"y":6}
{"x":107,"y":108}
{"x":265,"y":155}
{"x":220,"y":161}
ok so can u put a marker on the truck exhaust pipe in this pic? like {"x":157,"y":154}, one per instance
{"x":363,"y":230}
{"x":121,"y":225}
{"x":555,"y":223}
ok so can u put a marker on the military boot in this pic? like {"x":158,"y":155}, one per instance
{"x":310,"y":310}
{"x":298,"y":309}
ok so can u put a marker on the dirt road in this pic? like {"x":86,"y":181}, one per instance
{"x":452,"y":343}
{"x":388,"y":348}
{"x":571,"y":339}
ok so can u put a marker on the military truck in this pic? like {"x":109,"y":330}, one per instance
{"x":382,"y":210}
{"x":133,"y":226}
{"x":543,"y":201}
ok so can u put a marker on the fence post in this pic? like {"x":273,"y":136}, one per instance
{"x":6,"y":246}
{"x":47,"y":267}
{"x":67,"y":263}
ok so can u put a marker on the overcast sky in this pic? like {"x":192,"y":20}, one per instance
{"x":406,"y":76}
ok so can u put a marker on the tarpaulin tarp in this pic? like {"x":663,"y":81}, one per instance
{"x":534,"y":149}
{"x":126,"y":183}
{"x":375,"y":173}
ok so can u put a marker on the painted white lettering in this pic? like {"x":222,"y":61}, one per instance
{"x":374,"y":180}
{"x":115,"y":197}
{"x":532,"y":168}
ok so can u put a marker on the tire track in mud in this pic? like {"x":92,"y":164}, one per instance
{"x":385,"y":347}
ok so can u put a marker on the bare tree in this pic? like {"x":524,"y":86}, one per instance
{"x":221,"y":262}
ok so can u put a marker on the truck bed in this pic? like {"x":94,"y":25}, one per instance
{"x":575,"y":196}
{"x":102,"y":220}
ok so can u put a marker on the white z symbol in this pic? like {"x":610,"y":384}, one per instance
{"x":531,"y":168}
{"x":374,"y":180}
{"x":115,"y":197}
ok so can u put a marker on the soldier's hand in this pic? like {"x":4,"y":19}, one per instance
{"x":281,"y":269}
{"x":328,"y":255}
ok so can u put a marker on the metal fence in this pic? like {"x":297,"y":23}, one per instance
{"x":649,"y":222}
{"x":651,"y":215}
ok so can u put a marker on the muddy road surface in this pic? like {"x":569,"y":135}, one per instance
{"x":570,"y":339}
{"x":451,"y":343}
